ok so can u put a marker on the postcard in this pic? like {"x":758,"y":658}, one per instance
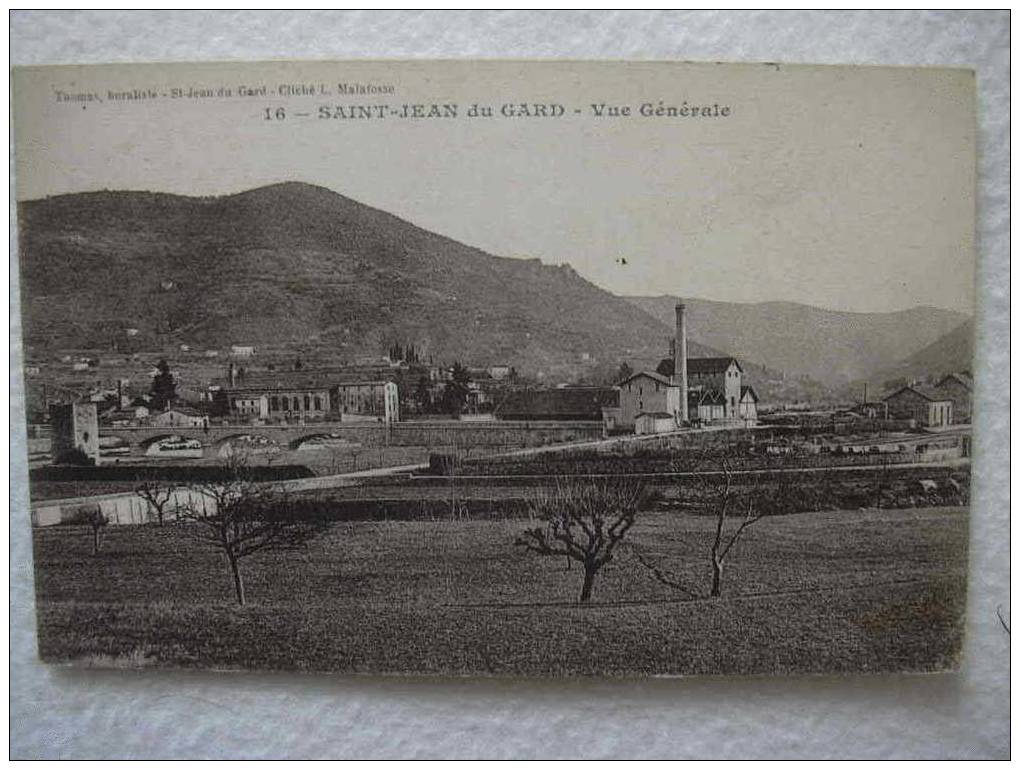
{"x":512,"y":368}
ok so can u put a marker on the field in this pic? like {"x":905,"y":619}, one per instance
{"x":828,"y":592}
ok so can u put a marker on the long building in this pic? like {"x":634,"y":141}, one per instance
{"x":310,"y":396}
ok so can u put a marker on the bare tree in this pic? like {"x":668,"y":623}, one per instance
{"x":734,"y":503}
{"x":242,"y":517}
{"x":156,"y":494}
{"x":583,"y":519}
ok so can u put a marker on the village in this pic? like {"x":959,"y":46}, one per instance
{"x":402,"y":405}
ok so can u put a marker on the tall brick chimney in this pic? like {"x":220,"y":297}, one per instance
{"x":680,"y":358}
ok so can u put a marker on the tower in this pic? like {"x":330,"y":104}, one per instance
{"x":680,"y":358}
{"x":74,"y":434}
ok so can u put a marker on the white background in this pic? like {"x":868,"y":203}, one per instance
{"x":60,"y":713}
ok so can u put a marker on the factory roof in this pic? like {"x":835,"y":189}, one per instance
{"x":709,"y":365}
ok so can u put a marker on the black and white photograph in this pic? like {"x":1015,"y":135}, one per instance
{"x":511,"y":369}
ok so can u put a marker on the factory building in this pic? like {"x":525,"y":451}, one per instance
{"x":682,"y":391}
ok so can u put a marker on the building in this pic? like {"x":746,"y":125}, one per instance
{"x":654,"y":422}
{"x":722,"y":374}
{"x":960,"y":387}
{"x":374,"y":399}
{"x":74,"y":432}
{"x":748,"y":403}
{"x":242,"y":351}
{"x":501,"y":373}
{"x":557,"y":403}
{"x":306,"y":397}
{"x":249,"y":403}
{"x":706,"y":405}
{"x":647,"y":392}
{"x":927,"y":406}
{"x":690,"y":390}
{"x":179,"y":417}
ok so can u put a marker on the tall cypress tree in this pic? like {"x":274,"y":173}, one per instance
{"x":164,"y":386}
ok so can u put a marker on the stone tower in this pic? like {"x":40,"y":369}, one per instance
{"x":74,"y":432}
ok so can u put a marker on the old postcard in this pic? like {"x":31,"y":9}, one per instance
{"x":498,"y":368}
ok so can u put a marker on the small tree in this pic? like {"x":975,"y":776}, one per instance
{"x":718,"y":494}
{"x":583,"y":519}
{"x":156,"y":494}
{"x":94,"y":518}
{"x":242,"y":517}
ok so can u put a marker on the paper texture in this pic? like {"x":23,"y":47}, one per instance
{"x":55,"y":162}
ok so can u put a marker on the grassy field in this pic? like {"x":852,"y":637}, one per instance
{"x":828,"y":592}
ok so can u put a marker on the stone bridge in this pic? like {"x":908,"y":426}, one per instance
{"x":431,"y":434}
{"x":213,"y":436}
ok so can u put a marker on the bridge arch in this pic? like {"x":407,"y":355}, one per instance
{"x":328,"y":438}
{"x":169,"y":445}
{"x":254,"y":443}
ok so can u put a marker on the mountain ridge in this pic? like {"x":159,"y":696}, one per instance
{"x":295,"y":267}
{"x":292,"y":263}
{"x":799,"y":339}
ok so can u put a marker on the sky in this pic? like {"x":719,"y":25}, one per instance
{"x":845,"y":188}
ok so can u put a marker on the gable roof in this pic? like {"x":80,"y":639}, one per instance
{"x":927,"y":392}
{"x":657,"y":376}
{"x":962,"y":377}
{"x":746,"y":390}
{"x":710,"y":365}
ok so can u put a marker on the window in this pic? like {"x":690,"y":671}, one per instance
{"x":274,"y":404}
{"x":286,"y":403}
{"x":318,"y":403}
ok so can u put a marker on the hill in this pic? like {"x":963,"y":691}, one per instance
{"x":830,"y":346}
{"x":294,"y":267}
{"x":952,"y":352}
